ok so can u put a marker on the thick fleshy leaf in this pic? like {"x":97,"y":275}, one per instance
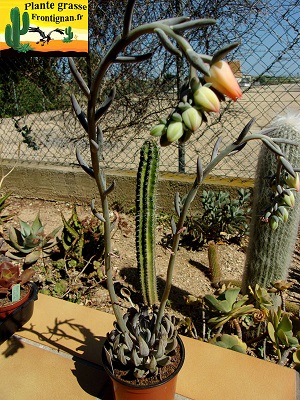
{"x":26,"y":275}
{"x":25,"y":228}
{"x":32,"y":257}
{"x":144,"y":349}
{"x":135,"y":359}
{"x":37,"y":226}
{"x":271,"y":332}
{"x":196,"y":23}
{"x":121,"y":355}
{"x":161,"y":348}
{"x":166,"y":42}
{"x":222,"y":53}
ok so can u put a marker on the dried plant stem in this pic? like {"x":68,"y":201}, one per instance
{"x":237,"y":328}
{"x":285,"y":355}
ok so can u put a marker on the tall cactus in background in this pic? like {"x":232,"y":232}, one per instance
{"x":145,"y":219}
{"x":13,"y":32}
{"x":270,"y":250}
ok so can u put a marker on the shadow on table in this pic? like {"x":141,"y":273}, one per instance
{"x":90,"y":375}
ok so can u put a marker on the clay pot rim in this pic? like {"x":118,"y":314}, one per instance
{"x":10,"y":309}
{"x":123,"y":382}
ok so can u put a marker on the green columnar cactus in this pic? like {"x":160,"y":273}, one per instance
{"x":13,"y":32}
{"x":145,"y":219}
{"x":69,"y":33}
{"x":214,"y":264}
{"x":270,"y":251}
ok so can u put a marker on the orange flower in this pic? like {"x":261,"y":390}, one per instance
{"x":222,"y":79}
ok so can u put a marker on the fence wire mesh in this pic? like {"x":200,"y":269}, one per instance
{"x":35,"y":92}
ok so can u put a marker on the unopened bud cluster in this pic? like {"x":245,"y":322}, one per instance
{"x":282,"y":200}
{"x":197,"y":99}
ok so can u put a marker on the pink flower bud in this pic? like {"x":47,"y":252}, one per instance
{"x":205,"y":98}
{"x":222,"y":79}
{"x":192,"y":119}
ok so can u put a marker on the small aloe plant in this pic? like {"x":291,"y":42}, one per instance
{"x":30,"y":242}
{"x":10,"y":275}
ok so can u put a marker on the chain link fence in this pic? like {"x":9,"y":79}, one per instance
{"x":35,"y":92}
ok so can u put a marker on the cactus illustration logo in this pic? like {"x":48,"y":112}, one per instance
{"x":35,"y":28}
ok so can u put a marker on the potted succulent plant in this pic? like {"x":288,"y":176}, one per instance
{"x":143,"y":353}
{"x":17,"y":297}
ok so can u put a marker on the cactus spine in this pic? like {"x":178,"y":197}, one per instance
{"x":147,"y":178}
{"x":13,"y":32}
{"x":270,"y":252}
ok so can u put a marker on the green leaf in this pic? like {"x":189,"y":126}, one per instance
{"x":271,"y":332}
{"x":144,"y":349}
{"x":25,"y":228}
{"x":136,"y":360}
{"x":239,"y":349}
{"x":215,"y":303}
{"x":37,"y":225}
{"x":231,"y":295}
{"x":296,"y":356}
{"x":285,"y":324}
{"x":121,"y":355}
{"x":282,"y":337}
{"x":163,"y":361}
{"x":32,"y":257}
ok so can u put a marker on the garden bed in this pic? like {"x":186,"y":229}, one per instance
{"x":192,"y":275}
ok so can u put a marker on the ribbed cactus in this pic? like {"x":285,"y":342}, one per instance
{"x":270,"y":251}
{"x":145,"y":219}
{"x":13,"y":32}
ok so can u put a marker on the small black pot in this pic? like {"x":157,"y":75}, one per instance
{"x":19,"y":317}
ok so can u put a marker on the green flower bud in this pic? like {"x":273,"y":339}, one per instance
{"x":176,"y":117}
{"x":192,"y":119}
{"x":205,"y":98}
{"x":158,"y":130}
{"x":273,"y":221}
{"x":289,"y":198}
{"x":283,"y":213}
{"x":174,"y":131}
{"x":293,"y":182}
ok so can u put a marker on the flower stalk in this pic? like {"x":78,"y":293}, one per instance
{"x":133,"y":342}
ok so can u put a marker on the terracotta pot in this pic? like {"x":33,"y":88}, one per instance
{"x":17,"y":314}
{"x":164,"y":390}
{"x":6,"y":310}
